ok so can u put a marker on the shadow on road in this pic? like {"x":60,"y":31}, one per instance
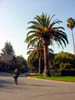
{"x":6,"y":83}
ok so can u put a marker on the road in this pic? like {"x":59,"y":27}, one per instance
{"x":31,"y":89}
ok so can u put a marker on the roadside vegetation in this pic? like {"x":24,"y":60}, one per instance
{"x":63,"y":78}
{"x":9,"y":61}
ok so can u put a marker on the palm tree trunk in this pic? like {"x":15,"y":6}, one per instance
{"x":73,"y":41}
{"x":40,"y":64}
{"x":46,"y":67}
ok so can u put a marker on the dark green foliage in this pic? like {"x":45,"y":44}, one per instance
{"x":33,"y":61}
{"x":6,"y":57}
{"x":3,"y":66}
{"x":62,"y":61}
{"x":67,"y":72}
{"x":8,"y":60}
{"x":7,"y":53}
{"x":21,"y":64}
{"x":71,"y":23}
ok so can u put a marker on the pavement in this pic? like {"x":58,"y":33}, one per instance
{"x":35,"y":89}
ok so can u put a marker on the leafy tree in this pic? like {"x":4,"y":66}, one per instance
{"x":64,"y":60}
{"x":43,"y":28}
{"x":6,"y":56}
{"x":21,"y":63}
{"x":7,"y":53}
{"x":8,"y":49}
{"x":71,"y":25}
{"x":61,"y":61}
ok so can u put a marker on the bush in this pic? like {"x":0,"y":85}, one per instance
{"x":55,"y":72}
{"x":67,"y":72}
{"x":65,"y":66}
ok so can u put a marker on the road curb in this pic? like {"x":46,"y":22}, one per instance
{"x":51,"y":80}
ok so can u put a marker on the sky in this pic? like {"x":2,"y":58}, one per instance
{"x":15,"y":14}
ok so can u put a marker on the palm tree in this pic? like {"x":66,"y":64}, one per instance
{"x":43,"y":28}
{"x":71,"y":25}
{"x":37,"y":50}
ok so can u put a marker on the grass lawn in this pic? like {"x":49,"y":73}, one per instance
{"x":61,"y":78}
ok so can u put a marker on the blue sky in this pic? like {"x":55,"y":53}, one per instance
{"x":15,"y":14}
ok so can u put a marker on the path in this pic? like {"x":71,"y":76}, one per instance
{"x":30,"y":89}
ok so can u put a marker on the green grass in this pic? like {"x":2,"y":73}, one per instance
{"x":62,"y":78}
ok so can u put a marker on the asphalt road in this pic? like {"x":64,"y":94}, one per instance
{"x":31,"y":89}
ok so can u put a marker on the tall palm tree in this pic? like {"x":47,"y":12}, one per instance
{"x":43,"y":28}
{"x":39,"y":51}
{"x":71,"y":25}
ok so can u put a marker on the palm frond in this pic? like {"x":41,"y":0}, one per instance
{"x":54,"y":23}
{"x":31,"y":32}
